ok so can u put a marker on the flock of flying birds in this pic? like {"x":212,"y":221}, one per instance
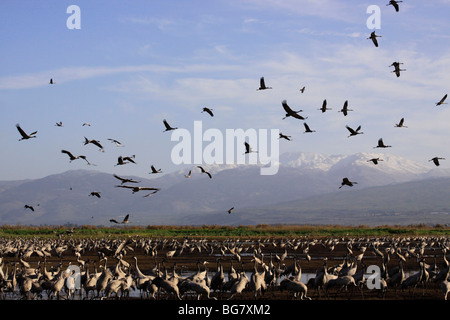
{"x":289,"y":113}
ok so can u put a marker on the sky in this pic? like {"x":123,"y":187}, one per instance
{"x":132,"y":64}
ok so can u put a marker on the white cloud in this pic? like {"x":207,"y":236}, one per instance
{"x":67,"y":74}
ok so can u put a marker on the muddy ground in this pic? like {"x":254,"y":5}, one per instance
{"x":188,"y":262}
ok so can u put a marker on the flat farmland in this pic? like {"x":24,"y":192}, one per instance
{"x":370,"y":264}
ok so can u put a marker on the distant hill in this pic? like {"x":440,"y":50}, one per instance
{"x":305,"y":190}
{"x":418,"y":202}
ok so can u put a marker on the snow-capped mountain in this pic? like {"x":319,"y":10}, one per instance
{"x":65,"y":197}
{"x":387,"y":162}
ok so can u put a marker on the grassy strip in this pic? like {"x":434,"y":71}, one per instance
{"x":225,"y":231}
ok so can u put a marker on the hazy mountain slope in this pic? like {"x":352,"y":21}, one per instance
{"x":65,"y":197}
{"x":424,"y":201}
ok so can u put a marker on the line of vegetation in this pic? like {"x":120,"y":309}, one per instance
{"x":224,"y":231}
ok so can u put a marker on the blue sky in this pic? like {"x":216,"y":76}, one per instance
{"x":133,"y":64}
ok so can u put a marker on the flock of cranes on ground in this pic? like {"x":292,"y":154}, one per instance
{"x":117,"y":268}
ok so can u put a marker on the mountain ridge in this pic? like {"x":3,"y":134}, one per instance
{"x":64,"y":197}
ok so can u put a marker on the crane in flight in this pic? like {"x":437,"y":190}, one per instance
{"x":290,"y":112}
{"x":262,"y":84}
{"x":137,"y":189}
{"x":208,"y":110}
{"x":72,"y":157}
{"x":347,"y":182}
{"x":117,"y":143}
{"x":29,"y":207}
{"x":124,"y":221}
{"x":307,"y":128}
{"x":394,"y":3}
{"x":442,"y":101}
{"x":125,"y":180}
{"x":381,"y":144}
{"x":123,"y":160}
{"x":345,"y":108}
{"x":154,"y":170}
{"x":95,"y":194}
{"x":324,"y":106}
{"x":354,"y":132}
{"x":436,"y":160}
{"x":397,"y":69}
{"x":374,"y":37}
{"x":248,"y":149}
{"x":204,"y":171}
{"x":168,"y":127}
{"x":283,"y":136}
{"x":94,"y":142}
{"x":400,"y":124}
{"x":375,"y":160}
{"x":24,"y":135}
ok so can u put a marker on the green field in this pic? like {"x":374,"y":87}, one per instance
{"x":224,"y":231}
